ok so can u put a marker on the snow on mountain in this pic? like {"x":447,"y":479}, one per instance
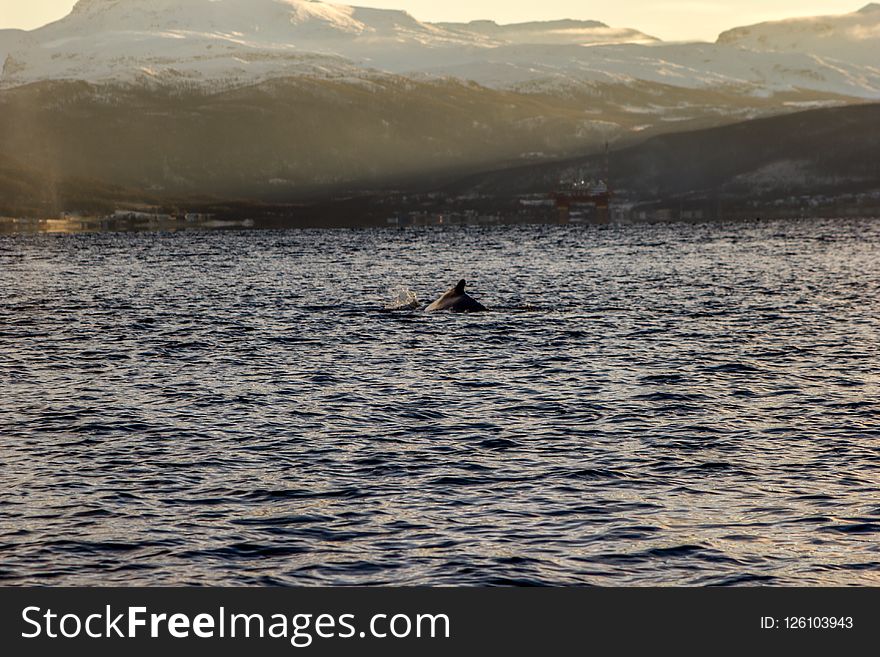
{"x":237,"y":42}
{"x":11,"y":40}
{"x":688,"y":66}
{"x":562,"y":32}
{"x":213,"y":41}
{"x":272,"y":21}
{"x":289,"y":80}
{"x":836,"y":55}
{"x":853,"y":37}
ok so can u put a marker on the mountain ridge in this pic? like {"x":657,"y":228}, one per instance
{"x":852,"y":37}
{"x":797,"y":159}
{"x":223,"y":42}
{"x":814,"y":152}
{"x":217,"y":96}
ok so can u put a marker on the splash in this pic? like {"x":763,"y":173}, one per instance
{"x":402,"y":298}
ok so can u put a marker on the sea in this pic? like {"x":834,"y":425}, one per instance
{"x":667,"y":404}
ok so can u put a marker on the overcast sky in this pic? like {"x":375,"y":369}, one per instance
{"x":667,"y":19}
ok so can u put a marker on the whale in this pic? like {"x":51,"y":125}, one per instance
{"x":456,"y":300}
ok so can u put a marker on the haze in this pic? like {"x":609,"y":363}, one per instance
{"x":671,"y":20}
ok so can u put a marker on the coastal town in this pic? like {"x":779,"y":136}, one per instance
{"x":399,"y":209}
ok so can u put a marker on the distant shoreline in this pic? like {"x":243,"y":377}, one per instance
{"x":94,"y":224}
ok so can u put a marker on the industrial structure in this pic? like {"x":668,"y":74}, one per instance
{"x":577,"y":199}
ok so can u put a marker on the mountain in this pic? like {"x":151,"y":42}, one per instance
{"x":268,"y":21}
{"x":202,"y":42}
{"x":560,"y":32}
{"x":622,"y":78}
{"x":232,"y":42}
{"x":10,"y":41}
{"x":826,"y":153}
{"x":817,"y":152}
{"x":292,"y":136}
{"x":289,"y":99}
{"x":227,"y":43}
{"x":298,"y":137}
{"x":853,"y":38}
{"x":37,"y":192}
{"x":559,"y":68}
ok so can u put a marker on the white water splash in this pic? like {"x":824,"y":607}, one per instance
{"x":402,"y":298}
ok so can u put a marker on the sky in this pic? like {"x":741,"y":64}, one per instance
{"x":671,"y":20}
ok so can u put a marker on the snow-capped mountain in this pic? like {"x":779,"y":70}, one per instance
{"x":273,"y":97}
{"x":566,"y":54}
{"x":687,"y":66}
{"x":245,"y":41}
{"x":204,"y":41}
{"x":275,"y":21}
{"x":564,"y":32}
{"x":235,"y":42}
{"x":853,"y":38}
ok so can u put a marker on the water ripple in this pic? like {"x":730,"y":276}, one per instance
{"x":670,"y":404}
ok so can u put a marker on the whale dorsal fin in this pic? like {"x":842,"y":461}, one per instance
{"x":459,"y":288}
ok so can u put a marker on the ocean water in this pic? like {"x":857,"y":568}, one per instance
{"x":643,"y":405}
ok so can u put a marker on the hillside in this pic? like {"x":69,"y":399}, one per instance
{"x":853,"y":37}
{"x":300,"y":137}
{"x":27,"y":192}
{"x":292,"y":100}
{"x":827,"y":151}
